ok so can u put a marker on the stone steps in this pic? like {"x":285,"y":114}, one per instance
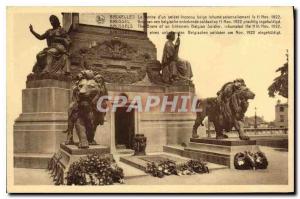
{"x":205,"y":155}
{"x":138,"y":163}
{"x":208,"y":148}
{"x":208,"y":156}
{"x":214,"y":151}
{"x":125,"y":151}
{"x":121,"y":146}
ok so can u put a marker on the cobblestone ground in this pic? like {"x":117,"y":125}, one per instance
{"x":276,"y":173}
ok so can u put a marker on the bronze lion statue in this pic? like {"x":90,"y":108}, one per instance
{"x":225,"y":111}
{"x":83,"y":112}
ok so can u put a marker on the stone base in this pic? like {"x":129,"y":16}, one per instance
{"x":68,"y":154}
{"x":74,"y":150}
{"x":140,"y":162}
{"x":36,"y":137}
{"x":218,"y":151}
{"x":32,"y":160}
{"x":71,"y":153}
{"x":38,"y":129}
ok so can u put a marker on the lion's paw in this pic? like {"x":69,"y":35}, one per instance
{"x":194,"y":133}
{"x":221,"y":136}
{"x":244,"y":137}
{"x":83,"y":145}
{"x":93,"y":142}
{"x":69,"y":142}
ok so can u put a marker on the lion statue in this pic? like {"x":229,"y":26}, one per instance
{"x":225,"y":112}
{"x":83,"y":112}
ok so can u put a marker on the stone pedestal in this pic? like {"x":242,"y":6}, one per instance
{"x":218,"y":151}
{"x":38,"y":129}
{"x":67,"y":154}
{"x":140,"y":162}
{"x":71,"y":153}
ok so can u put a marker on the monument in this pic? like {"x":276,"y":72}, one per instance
{"x":226,"y":111}
{"x":126,"y":60}
{"x":37,"y":131}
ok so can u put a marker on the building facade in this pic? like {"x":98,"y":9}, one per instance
{"x":281,"y":115}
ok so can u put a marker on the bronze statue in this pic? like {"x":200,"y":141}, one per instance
{"x":225,"y":111}
{"x":224,"y":95}
{"x":54,"y":58}
{"x":83,"y":112}
{"x":174,"y":68}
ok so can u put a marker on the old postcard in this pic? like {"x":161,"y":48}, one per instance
{"x":150,"y":99}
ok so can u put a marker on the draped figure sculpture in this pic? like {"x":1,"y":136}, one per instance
{"x":173,"y":67}
{"x":53,"y":58}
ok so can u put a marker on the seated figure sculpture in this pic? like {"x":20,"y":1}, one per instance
{"x":174,"y":68}
{"x":83,"y":112}
{"x":53,"y":58}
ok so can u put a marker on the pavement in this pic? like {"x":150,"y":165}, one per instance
{"x":276,"y":173}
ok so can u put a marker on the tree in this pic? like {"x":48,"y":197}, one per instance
{"x":280,"y":83}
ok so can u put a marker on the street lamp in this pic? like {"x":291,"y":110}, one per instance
{"x":255,"y":119}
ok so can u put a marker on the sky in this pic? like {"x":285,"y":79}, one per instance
{"x":215,"y":60}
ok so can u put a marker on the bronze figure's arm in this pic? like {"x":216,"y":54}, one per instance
{"x":38,"y":36}
{"x":177,"y":44}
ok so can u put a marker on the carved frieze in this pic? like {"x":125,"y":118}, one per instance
{"x":116,"y":60}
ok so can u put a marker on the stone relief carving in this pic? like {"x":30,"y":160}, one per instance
{"x":114,"y":59}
